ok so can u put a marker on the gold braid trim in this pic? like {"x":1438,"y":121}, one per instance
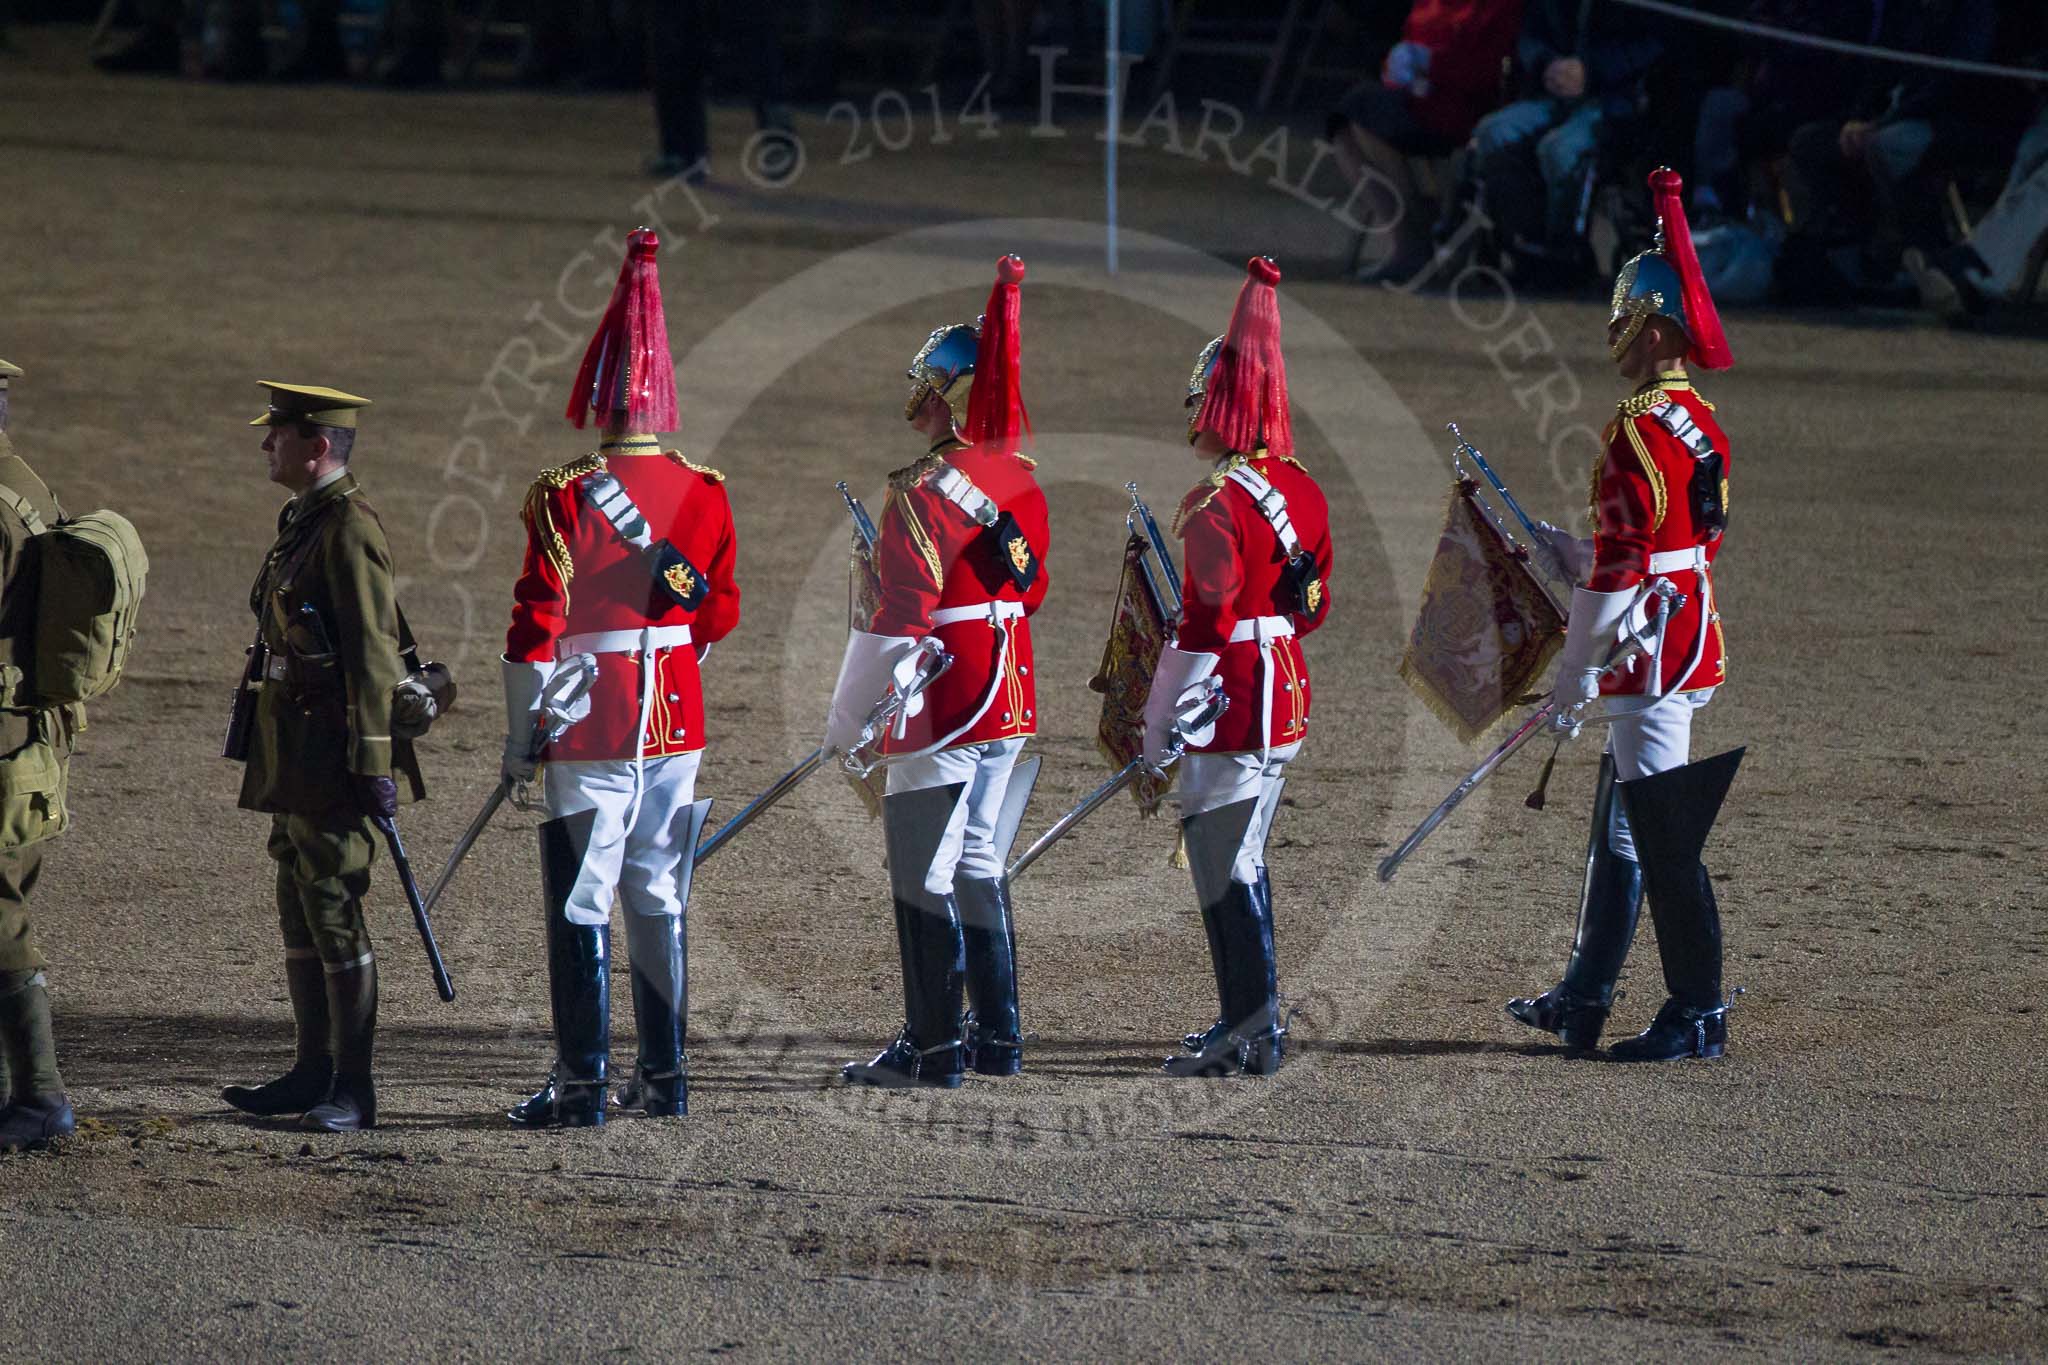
{"x":1024,"y":459}
{"x":1638,"y":404}
{"x":686,"y":462}
{"x":919,"y":537}
{"x":540,"y":525}
{"x":1599,"y":468}
{"x":540,"y":522}
{"x":1214,"y":482}
{"x":911,"y":475}
{"x":561,"y":476}
{"x":1650,"y":471}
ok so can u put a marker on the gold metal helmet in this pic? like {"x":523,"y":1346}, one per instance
{"x":945,"y":366}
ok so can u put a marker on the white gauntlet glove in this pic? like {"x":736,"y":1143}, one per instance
{"x":1176,"y":683}
{"x":1589,"y":638}
{"x":865,"y":674}
{"x":523,"y":684}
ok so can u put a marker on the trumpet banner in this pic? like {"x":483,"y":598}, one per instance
{"x":863,"y":586}
{"x":1486,"y":628}
{"x":1137,"y":632}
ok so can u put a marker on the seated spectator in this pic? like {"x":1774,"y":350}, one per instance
{"x":1584,"y":65}
{"x":2001,"y":258}
{"x":1778,"y":87}
{"x":1859,"y":177}
{"x":1434,"y":86}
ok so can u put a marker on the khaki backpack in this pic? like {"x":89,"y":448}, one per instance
{"x":92,"y":573}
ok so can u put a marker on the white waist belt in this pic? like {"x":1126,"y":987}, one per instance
{"x":1675,"y":561}
{"x":992,"y":612}
{"x":622,"y":641}
{"x":1261,"y":628}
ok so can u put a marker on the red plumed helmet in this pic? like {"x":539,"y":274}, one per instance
{"x":995,"y":405}
{"x":1246,"y":400}
{"x":628,"y":377}
{"x":1702,"y":320}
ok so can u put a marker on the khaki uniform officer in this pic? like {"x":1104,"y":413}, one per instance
{"x":321,"y":754}
{"x":34,"y":747}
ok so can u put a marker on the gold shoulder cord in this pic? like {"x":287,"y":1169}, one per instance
{"x":911,"y":475}
{"x":1650,"y":470}
{"x":540,"y":521}
{"x":1636,"y":405}
{"x":695,"y":468}
{"x":1216,"y":479}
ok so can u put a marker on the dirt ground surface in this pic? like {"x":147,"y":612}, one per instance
{"x":1864,"y":1170}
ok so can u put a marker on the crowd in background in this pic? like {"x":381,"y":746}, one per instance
{"x":1814,"y":176}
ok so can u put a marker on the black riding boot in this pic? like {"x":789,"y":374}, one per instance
{"x":351,"y":1102}
{"x":929,"y":1050}
{"x":995,"y":1038}
{"x":1609,"y":905}
{"x":1264,"y":1041}
{"x":312,"y":1072}
{"x":1671,"y":814}
{"x":579,"y":988}
{"x":1210,"y":1036}
{"x":659,"y":948}
{"x":1237,"y":944}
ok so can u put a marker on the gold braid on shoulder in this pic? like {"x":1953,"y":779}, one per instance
{"x":686,"y":462}
{"x":1636,"y":405}
{"x":1215,"y":481}
{"x":540,"y":522}
{"x":911,"y":475}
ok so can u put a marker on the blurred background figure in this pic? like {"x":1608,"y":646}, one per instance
{"x":2002,"y":257}
{"x":1434,"y":85}
{"x":1582,"y":68}
{"x":1775,"y":88}
{"x":679,"y":37}
{"x":1868,"y":173}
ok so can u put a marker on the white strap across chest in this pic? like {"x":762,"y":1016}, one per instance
{"x":1674,"y":418}
{"x":1272,"y":506}
{"x":960,"y":490}
{"x":617,"y":507}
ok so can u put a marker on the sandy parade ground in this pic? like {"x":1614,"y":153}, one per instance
{"x":1864,"y":1170}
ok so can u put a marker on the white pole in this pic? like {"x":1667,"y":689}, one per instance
{"x":1113,"y":57}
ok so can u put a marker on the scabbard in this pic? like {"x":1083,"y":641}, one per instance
{"x":388,"y":827}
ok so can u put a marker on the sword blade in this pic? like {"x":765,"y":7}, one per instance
{"x":468,"y":840}
{"x":748,"y":813}
{"x":1122,"y":778}
{"x":1528,"y":728}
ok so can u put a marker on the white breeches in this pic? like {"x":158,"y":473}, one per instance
{"x":1655,"y":740}
{"x":639,"y":864}
{"x":1211,"y":781}
{"x":969,"y":846}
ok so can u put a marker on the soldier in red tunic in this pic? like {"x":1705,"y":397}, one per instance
{"x":1660,"y":504}
{"x":961,"y":555}
{"x":1257,"y":563}
{"x":629,"y":558}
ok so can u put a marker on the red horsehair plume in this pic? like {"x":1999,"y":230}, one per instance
{"x":628,"y":376}
{"x":1702,"y":320}
{"x":1246,"y":404}
{"x":995,"y":405}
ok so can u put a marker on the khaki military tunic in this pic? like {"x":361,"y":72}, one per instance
{"x":35,"y":745}
{"x":328,"y":621}
{"x":328,"y":615}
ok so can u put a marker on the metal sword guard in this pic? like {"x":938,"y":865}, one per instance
{"x":915,"y":672}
